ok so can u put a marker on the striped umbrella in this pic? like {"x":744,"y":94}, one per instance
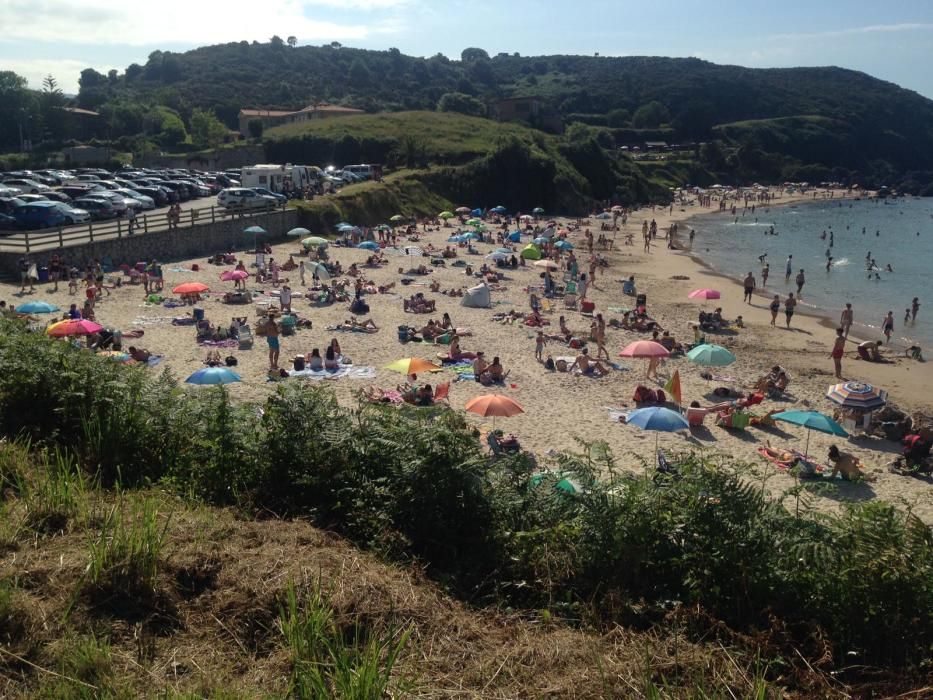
{"x":857,"y":395}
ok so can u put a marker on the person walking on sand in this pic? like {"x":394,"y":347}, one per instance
{"x":301,"y":272}
{"x":887,"y":326}
{"x":749,"y":287}
{"x":789,"y":305}
{"x":272,"y":339}
{"x":801,"y":280}
{"x":839,"y":347}
{"x":788,"y":268}
{"x":540,"y":342}
{"x":845,"y":320}
{"x":775,"y":308}
{"x":765,"y":271}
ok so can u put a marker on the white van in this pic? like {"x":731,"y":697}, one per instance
{"x":364,"y":171}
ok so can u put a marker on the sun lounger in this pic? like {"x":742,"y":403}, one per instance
{"x":245,"y":337}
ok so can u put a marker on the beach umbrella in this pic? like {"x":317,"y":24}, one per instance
{"x":471,"y":236}
{"x":298,"y":232}
{"x":397,"y":218}
{"x":493,"y":405}
{"x":343,"y":223}
{"x":316,"y":269}
{"x":657,"y":419}
{"x":414,"y":251}
{"x":704,"y":294}
{"x":80,"y":326}
{"x":616,"y":208}
{"x":368,"y":245}
{"x":37,"y":307}
{"x":474,"y":222}
{"x":190,"y":288}
{"x":499,"y":209}
{"x":477,"y":212}
{"x":563,"y":482}
{"x":214,"y":375}
{"x":526,"y":217}
{"x":529,"y":252}
{"x":564,"y":245}
{"x":811,"y":420}
{"x":541,"y":240}
{"x":255,"y":232}
{"x":604,"y":215}
{"x":314,"y":242}
{"x":711,"y":355}
{"x":462,"y":210}
{"x":446,"y":215}
{"x":412,"y":365}
{"x":856,"y":395}
{"x":507,"y":251}
{"x":537,"y":210}
{"x":515,"y":236}
{"x":549,"y":264}
{"x":548,"y":232}
{"x":346,"y":228}
{"x":497,"y":255}
{"x":233,"y":275}
{"x":644,"y":348}
{"x":459,"y":238}
{"x":480,"y":227}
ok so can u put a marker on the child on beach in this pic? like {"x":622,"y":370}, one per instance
{"x":540,"y":342}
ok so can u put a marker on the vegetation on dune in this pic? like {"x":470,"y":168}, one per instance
{"x":706,"y":550}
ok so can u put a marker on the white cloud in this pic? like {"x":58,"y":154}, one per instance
{"x":65,"y":70}
{"x":140,"y":23}
{"x":855,"y":31}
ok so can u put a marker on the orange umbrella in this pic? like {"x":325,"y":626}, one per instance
{"x":493,"y":405}
{"x":77,"y":326}
{"x":190,"y":288}
{"x":412,"y":365}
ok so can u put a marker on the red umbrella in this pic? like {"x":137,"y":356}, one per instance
{"x":704,"y":294}
{"x":493,"y":405}
{"x":78,"y":326}
{"x":644,"y":348}
{"x":233,"y":275}
{"x":190,"y":288}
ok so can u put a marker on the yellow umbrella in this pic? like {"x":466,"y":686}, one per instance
{"x":412,"y":365}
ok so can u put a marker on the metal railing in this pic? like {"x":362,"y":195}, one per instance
{"x":26,"y":242}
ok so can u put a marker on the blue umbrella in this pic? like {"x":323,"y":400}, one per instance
{"x":477,"y":212}
{"x":37,"y":307}
{"x":658,"y":419}
{"x":456,"y":239}
{"x":343,"y":223}
{"x":711,"y":355}
{"x":541,"y":240}
{"x":343,"y":228}
{"x":368,"y":245}
{"x":515,"y":236}
{"x":471,"y":236}
{"x":811,"y":420}
{"x":507,"y":251}
{"x":499,"y":210}
{"x":298,"y":232}
{"x":564,"y":245}
{"x":213,"y":375}
{"x":254,"y":230}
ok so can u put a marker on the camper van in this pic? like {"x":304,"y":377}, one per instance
{"x":280,"y":178}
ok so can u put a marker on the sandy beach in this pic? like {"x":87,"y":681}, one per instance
{"x":559,"y":408}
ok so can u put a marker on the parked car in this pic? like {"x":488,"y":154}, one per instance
{"x":57,"y":196}
{"x":26,"y":186}
{"x":7,"y":224}
{"x":75,"y":191}
{"x":29,"y":198}
{"x":117,"y":201}
{"x":280,"y":198}
{"x":99,"y":209}
{"x":157,"y":194}
{"x":239,"y":198}
{"x":179,"y":188}
{"x":145,"y":203}
{"x":73,"y":215}
{"x":9,"y":204}
{"x":35,"y":215}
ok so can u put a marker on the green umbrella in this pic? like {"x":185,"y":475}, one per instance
{"x":563,"y":482}
{"x":811,"y":420}
{"x":446,"y":215}
{"x":397,"y":218}
{"x":314,"y":242}
{"x":530,"y":252}
{"x":711,"y":355}
{"x":474,"y":222}
{"x":298,"y":232}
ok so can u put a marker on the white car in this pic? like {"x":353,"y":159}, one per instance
{"x":26,"y":186}
{"x":145,"y":202}
{"x":244,"y":198}
{"x":73,"y":215}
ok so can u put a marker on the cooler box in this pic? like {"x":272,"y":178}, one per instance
{"x":43,"y":274}
{"x":198,"y":314}
{"x":587,"y":307}
{"x":299,"y":363}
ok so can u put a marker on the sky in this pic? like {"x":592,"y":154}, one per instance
{"x":890,"y":40}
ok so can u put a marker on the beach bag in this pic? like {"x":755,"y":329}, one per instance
{"x":576,"y":343}
{"x":549,"y":363}
{"x":561,"y":365}
{"x":231,"y":361}
{"x":642,"y":394}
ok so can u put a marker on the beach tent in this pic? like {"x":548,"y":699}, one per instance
{"x":477,"y":297}
{"x":515,"y":236}
{"x":529,"y":252}
{"x":548,"y":232}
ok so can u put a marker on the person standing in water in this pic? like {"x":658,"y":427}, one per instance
{"x":839,"y":346}
{"x":914,"y":308}
{"x":765,"y":271}
{"x":788,"y":268}
{"x":790,"y":304}
{"x":801,"y":280}
{"x":887,"y":326}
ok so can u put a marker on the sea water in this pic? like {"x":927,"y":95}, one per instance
{"x":896,"y":232}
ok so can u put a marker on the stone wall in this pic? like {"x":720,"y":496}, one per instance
{"x":167,"y":246}
{"x":217,"y":159}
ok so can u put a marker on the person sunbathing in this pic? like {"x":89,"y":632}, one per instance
{"x":140,"y":354}
{"x":670,"y":343}
{"x":493,"y":374}
{"x":213,"y":358}
{"x":368,"y":325}
{"x":431,"y":330}
{"x":479,"y":364}
{"x":587,"y":365}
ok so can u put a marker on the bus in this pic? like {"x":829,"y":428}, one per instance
{"x":279,"y":178}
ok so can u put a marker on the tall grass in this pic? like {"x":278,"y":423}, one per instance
{"x":56,"y":493}
{"x":329,"y":661}
{"x":126,"y":555}
{"x":85,"y":672}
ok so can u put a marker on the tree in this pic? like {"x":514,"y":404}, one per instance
{"x":255,"y":127}
{"x":469,"y":55}
{"x":133,"y":71}
{"x":90,"y":78}
{"x":650,"y":116}
{"x":112,"y":76}
{"x":461,"y":103}
{"x":207,"y":130}
{"x":292,"y":41}
{"x":276,"y":41}
{"x":618,"y":118}
{"x":51,"y":114}
{"x":359,"y":73}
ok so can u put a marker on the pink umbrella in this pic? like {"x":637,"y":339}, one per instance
{"x":704,"y":294}
{"x":233,"y":275}
{"x":644,"y":348}
{"x":73,"y":327}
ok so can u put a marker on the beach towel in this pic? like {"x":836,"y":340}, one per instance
{"x":616,"y":413}
{"x":347,"y":371}
{"x":229,"y":343}
{"x":155,"y":360}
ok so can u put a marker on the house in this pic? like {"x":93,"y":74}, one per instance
{"x":526,"y":109}
{"x":656,"y":146}
{"x":273,"y":117}
{"x":83,"y":123}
